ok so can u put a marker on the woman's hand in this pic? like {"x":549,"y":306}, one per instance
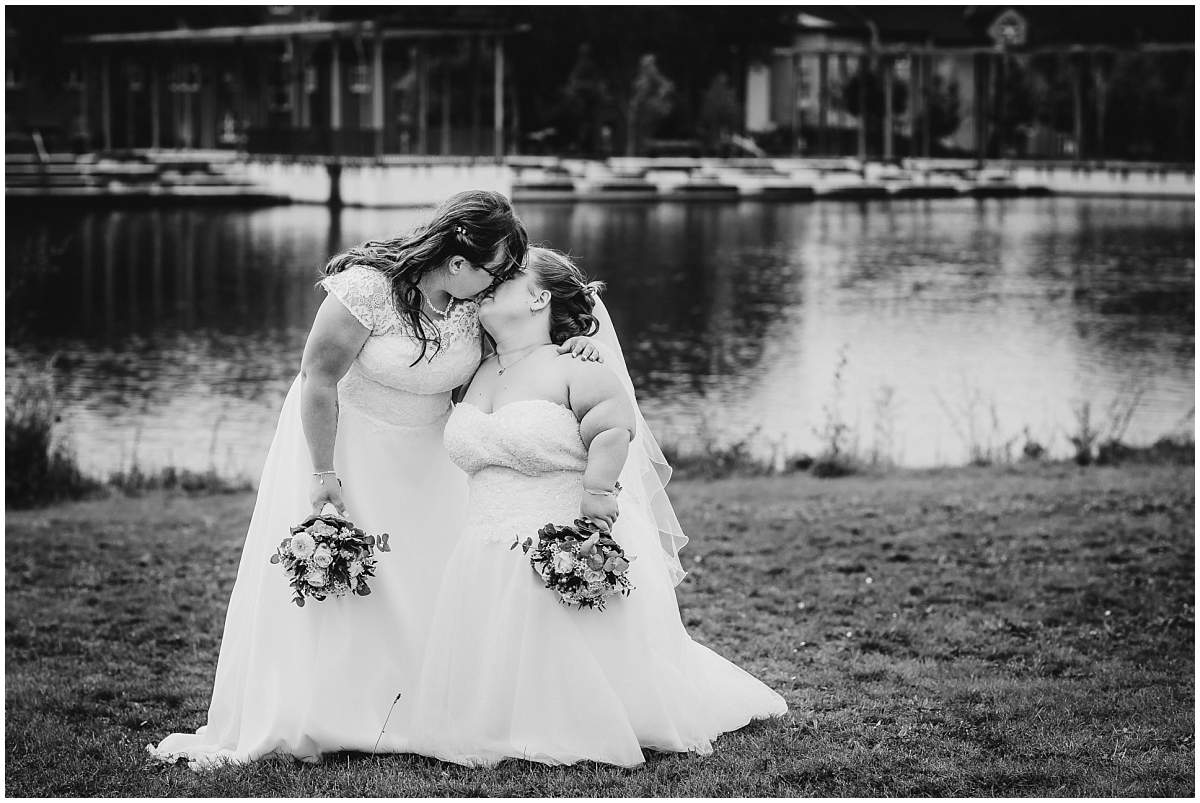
{"x":326,"y":489}
{"x":601,"y":509}
{"x":581,"y":347}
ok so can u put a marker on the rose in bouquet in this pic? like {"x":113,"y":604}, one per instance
{"x":581,"y":562}
{"x":327,"y":556}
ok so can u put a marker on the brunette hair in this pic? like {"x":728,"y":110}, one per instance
{"x":572,"y":296}
{"x":470,"y":224}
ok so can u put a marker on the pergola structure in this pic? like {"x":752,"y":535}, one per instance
{"x":871,"y":81}
{"x":341,"y":88}
{"x":984,"y":66}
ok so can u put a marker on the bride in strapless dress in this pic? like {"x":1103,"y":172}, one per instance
{"x":361,"y":429}
{"x":509,"y":671}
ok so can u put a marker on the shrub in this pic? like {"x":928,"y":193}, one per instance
{"x":38,"y":467}
{"x":135,"y":480}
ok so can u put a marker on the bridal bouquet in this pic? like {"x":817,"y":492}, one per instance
{"x":581,"y":562}
{"x":327,"y":556}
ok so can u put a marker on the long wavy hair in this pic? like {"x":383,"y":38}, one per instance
{"x":471,"y":224}
{"x":572,"y":296}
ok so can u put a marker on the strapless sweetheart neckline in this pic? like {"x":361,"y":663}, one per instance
{"x":505,"y":406}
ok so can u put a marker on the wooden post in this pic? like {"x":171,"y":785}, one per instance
{"x":914,"y":102}
{"x":843,"y":76}
{"x":422,"y":68}
{"x":303,"y":61}
{"x":888,"y":152}
{"x":295,"y":90}
{"x":498,"y":100}
{"x":85,"y":124}
{"x":514,"y":119}
{"x":796,"y":73}
{"x":335,"y":85}
{"x":186,"y":97}
{"x":977,"y":117}
{"x":155,"y":111}
{"x":445,"y":104}
{"x":864,"y":67}
{"x":377,"y":90}
{"x":977,"y":69}
{"x":130,"y":99}
{"x":243,"y":105}
{"x":823,"y":103}
{"x":1100,"y":83}
{"x":208,"y":110}
{"x":106,"y":101}
{"x":1077,"y":106}
{"x":927,"y":104}
{"x":476,"y":144}
{"x":993,"y":120}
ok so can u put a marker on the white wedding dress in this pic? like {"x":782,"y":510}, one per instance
{"x":510,"y":672}
{"x":322,"y":678}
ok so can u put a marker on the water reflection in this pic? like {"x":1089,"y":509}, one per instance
{"x":179,"y":331}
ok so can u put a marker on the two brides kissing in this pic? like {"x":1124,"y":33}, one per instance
{"x":487,"y":663}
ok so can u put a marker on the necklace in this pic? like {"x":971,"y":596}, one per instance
{"x":441,"y":312}
{"x":528,"y":350}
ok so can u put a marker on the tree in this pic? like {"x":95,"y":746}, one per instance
{"x":586,"y":100}
{"x":650,"y":101}
{"x":691,"y":44}
{"x":943,"y":108}
{"x":1151,"y":107}
{"x":719,"y":112}
{"x":1014,"y":110}
{"x":872,"y":114}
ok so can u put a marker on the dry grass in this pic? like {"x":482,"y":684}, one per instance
{"x":1001,"y":631}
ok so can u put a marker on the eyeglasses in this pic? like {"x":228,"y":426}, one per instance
{"x":509,"y":269}
{"x":502,"y":274}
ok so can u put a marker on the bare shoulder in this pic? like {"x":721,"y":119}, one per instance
{"x":584,"y":374}
{"x":590,"y":384}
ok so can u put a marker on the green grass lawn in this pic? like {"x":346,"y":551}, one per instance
{"x":1019,"y":631}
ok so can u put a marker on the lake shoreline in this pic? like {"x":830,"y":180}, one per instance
{"x":929,"y":328}
{"x":1009,"y":630}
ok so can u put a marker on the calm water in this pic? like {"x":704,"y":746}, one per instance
{"x":178,"y":332}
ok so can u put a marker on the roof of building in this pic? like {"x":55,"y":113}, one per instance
{"x":968,"y":25}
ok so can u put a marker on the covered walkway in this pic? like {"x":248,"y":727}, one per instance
{"x":341,"y":88}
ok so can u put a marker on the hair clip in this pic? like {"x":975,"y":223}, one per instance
{"x":461,"y":231}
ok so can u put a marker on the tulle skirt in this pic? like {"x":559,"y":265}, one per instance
{"x":322,"y":678}
{"x":510,"y":672}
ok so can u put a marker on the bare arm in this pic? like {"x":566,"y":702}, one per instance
{"x":333,"y":343}
{"x":487,"y":347}
{"x":606,"y":425}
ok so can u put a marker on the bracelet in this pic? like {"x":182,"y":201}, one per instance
{"x":614,"y":492}
{"x":323,"y":473}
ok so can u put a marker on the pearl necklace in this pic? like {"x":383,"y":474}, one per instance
{"x":441,"y":312}
{"x":528,"y":350}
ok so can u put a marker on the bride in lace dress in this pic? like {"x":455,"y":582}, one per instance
{"x":361,"y":428}
{"x":510,"y":672}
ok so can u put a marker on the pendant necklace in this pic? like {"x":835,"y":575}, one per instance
{"x":528,"y":350}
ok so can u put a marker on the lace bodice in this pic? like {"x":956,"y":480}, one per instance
{"x":526,"y":463}
{"x":383,"y":381}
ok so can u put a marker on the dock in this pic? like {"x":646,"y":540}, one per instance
{"x":228,"y":177}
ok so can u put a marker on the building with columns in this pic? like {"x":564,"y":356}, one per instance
{"x":983,"y":81}
{"x":295,"y":80}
